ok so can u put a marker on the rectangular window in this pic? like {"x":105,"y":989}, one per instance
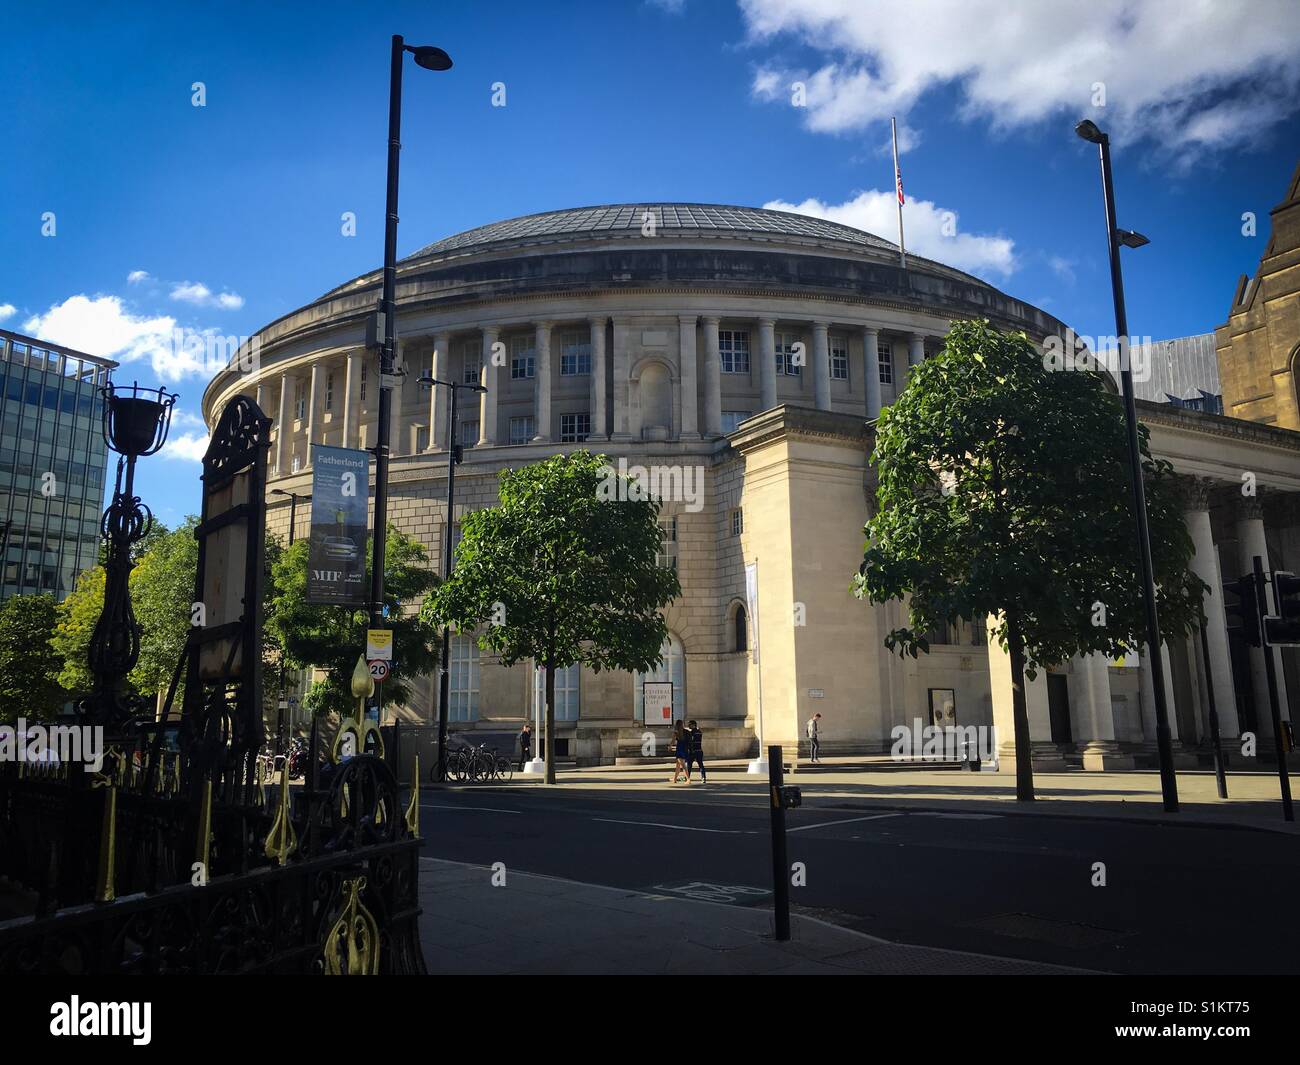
{"x":731,"y":419}
{"x":329,"y":391}
{"x":421,"y":438}
{"x":785,"y":349}
{"x":737,"y":522}
{"x":469,"y":432}
{"x":363,"y":382}
{"x":668,"y":530}
{"x":574,"y":428}
{"x":472,"y":362}
{"x":523,"y":429}
{"x":462,"y":676}
{"x":575,"y":354}
{"x":885,"y":355}
{"x":839,"y":359}
{"x":523,"y":358}
{"x":733,"y":350}
{"x":300,"y":401}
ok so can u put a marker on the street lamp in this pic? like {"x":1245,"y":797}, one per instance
{"x":429,"y":58}
{"x":283,"y":702}
{"x":1115,"y":238}
{"x":454,"y":455}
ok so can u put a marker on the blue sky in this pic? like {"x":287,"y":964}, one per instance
{"x":233,"y":210}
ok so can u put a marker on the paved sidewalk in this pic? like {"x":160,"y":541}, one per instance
{"x":544,"y":925}
{"x":1129,"y":796}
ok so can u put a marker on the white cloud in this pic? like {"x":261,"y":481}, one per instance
{"x":930,"y":231}
{"x":1187,"y":75}
{"x":136,"y":276}
{"x":103,"y":326}
{"x":197,"y":293}
{"x":1062,"y":267}
{"x":188,"y":447}
{"x":7,"y":310}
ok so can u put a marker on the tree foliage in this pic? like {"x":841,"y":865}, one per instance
{"x":162,"y":594}
{"x":1004,"y":491}
{"x":74,"y":624}
{"x":560,"y":573}
{"x":331,"y":638}
{"x":29,"y":664}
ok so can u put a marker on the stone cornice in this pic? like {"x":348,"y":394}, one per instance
{"x":787,"y":420}
{"x":1204,"y":424}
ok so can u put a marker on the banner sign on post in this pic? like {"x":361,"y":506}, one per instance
{"x":379,"y":645}
{"x":751,"y":606}
{"x":658,"y":702}
{"x":336,"y":558}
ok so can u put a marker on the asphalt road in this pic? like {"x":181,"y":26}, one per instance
{"x":1177,"y":899}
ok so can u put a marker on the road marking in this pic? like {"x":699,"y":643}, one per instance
{"x":955,"y":817}
{"x":682,"y":828}
{"x":482,"y":809}
{"x":849,"y":821}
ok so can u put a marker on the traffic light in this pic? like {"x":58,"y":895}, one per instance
{"x":1284,"y":629}
{"x":1241,"y":607}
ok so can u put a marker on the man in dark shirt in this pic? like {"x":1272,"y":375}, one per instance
{"x":697,"y":752}
{"x":525,"y":745}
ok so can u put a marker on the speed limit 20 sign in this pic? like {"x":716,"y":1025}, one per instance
{"x":378,"y":670}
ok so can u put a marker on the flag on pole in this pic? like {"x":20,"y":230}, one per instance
{"x":898,"y":186}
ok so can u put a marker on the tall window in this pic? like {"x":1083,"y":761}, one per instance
{"x":300,"y":401}
{"x":472,"y":362}
{"x":522,"y":429}
{"x":566,"y":692}
{"x":732,"y":418}
{"x":740,"y":633}
{"x":421,"y":438}
{"x":737,"y":522}
{"x":575,"y":353}
{"x":733,"y":350}
{"x":839,"y":359}
{"x":672,"y":666}
{"x":329,"y":391}
{"x":469,"y":432}
{"x":667,"y":557}
{"x":574,"y":428}
{"x":462,"y":672}
{"x":523,"y":357}
{"x":785,"y":363}
{"x":885,"y":356}
{"x":363,"y":382}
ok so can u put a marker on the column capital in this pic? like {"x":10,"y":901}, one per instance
{"x":544,"y":323}
{"x":598,"y":321}
{"x":871,"y":329}
{"x":711,"y":320}
{"x":1195,"y":492}
{"x":1248,"y":508}
{"x":822,"y":324}
{"x":687,"y":319}
{"x":769,"y":323}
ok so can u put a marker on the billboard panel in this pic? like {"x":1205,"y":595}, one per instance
{"x":336,"y":560}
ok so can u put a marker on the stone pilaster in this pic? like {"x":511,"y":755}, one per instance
{"x":712,"y":380}
{"x":689,"y":379}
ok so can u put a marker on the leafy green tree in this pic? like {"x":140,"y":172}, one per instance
{"x":561,"y":573}
{"x":29,"y":665}
{"x":1004,"y":491}
{"x":330,"y":638}
{"x":162,"y":595}
{"x":75,"y":624}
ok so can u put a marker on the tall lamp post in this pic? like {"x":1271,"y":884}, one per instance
{"x":1115,"y":238}
{"x":282,"y":706}
{"x":454,"y":455}
{"x":431,"y":59}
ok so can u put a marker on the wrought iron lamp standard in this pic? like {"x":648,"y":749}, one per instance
{"x":1115,"y":238}
{"x":135,"y":424}
{"x":454,"y":455}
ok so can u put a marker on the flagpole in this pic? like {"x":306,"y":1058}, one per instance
{"x":898,"y":189}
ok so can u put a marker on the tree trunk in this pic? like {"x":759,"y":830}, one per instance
{"x":1020,"y":712}
{"x":550,"y":724}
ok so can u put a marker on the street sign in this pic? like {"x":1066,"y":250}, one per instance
{"x":379,"y":644}
{"x":658,"y":702}
{"x":378,"y":670}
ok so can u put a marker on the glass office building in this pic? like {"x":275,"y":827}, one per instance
{"x":52,"y":460}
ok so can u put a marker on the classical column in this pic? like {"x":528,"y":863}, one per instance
{"x":398,"y":443}
{"x":712,"y":380}
{"x":821,"y":354}
{"x":543,"y":402}
{"x":351,"y":398}
{"x":622,"y":374}
{"x":1205,"y":564}
{"x":916,"y":349}
{"x":871,"y":369}
{"x":1089,"y":691}
{"x":1146,"y":694}
{"x":599,"y":419}
{"x":283,"y":425}
{"x":488,"y":378}
{"x":313,"y":398}
{"x":438,"y":393}
{"x":1251,"y":542}
{"x":689,"y":378}
{"x":767,"y":361}
{"x":1044,"y":754}
{"x":262,"y":390}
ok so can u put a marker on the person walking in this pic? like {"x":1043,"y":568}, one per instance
{"x":681,"y":752}
{"x":814,"y":731}
{"x":525,"y":744}
{"x":696,"y":752}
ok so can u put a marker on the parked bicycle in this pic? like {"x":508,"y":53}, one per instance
{"x":481,"y":764}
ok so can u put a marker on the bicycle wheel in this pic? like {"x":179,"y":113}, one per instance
{"x":505,"y":768}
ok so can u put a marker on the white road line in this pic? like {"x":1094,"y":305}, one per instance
{"x":483,"y":809}
{"x":683,"y":828}
{"x":850,"y":821}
